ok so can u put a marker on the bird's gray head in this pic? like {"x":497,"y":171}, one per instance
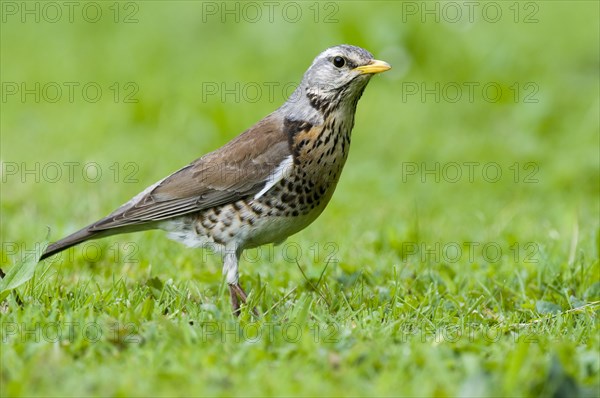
{"x":336,"y":78}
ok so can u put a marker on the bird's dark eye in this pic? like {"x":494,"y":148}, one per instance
{"x":338,"y":62}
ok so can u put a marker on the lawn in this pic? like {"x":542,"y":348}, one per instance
{"x":459,"y":255}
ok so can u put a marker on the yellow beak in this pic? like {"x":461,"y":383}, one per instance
{"x":375,"y":66}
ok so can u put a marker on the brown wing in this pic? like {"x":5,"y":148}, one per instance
{"x":239,"y":169}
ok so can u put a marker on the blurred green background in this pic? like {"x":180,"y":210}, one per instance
{"x":479,"y":87}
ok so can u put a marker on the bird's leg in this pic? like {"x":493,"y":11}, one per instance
{"x":235,"y":302}
{"x":237,"y":294}
{"x":230,"y":269}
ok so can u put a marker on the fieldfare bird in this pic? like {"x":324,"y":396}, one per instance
{"x":266,"y":184}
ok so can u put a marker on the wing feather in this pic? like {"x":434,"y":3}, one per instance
{"x":241,"y":168}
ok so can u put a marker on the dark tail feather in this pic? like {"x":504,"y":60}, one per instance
{"x":71,"y":240}
{"x":89,"y":233}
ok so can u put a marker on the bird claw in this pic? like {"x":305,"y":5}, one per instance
{"x":238,"y":294}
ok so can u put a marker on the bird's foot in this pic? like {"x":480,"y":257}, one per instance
{"x":239,"y":295}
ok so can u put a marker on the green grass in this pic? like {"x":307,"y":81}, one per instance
{"x":412,"y":283}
